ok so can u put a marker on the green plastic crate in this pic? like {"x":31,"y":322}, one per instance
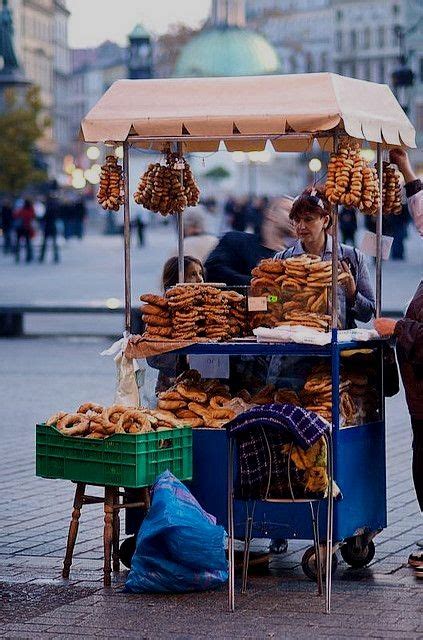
{"x":125,"y":460}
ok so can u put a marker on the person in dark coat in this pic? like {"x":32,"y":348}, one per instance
{"x":49,"y":225}
{"x":238,"y":252}
{"x":409,"y":336}
{"x":348,"y":225}
{"x":6,"y":217}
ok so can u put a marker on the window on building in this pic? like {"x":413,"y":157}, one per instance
{"x":395,"y":9}
{"x":366,"y":38}
{"x":367,"y":70}
{"x":323,"y":61}
{"x":353,"y":39}
{"x":309,"y":63}
{"x":293,"y":64}
{"x":381,"y":37}
{"x":353,"y":69}
{"x":338,"y":40}
{"x":394,"y":35}
{"x":339,"y":15}
{"x":381,"y":71}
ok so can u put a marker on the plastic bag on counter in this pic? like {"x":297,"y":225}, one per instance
{"x":179,"y":546}
{"x":126,"y":373}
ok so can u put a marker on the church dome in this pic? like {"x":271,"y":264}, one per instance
{"x":228,"y":51}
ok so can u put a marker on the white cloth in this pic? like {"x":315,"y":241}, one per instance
{"x":126,"y":392}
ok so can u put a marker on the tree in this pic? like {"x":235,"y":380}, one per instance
{"x":21,"y":125}
{"x":217,"y":173}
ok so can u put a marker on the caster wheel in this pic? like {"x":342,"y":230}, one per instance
{"x":308,"y":563}
{"x":127,"y":550}
{"x":358,"y":555}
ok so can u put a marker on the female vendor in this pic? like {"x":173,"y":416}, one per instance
{"x":311,"y":215}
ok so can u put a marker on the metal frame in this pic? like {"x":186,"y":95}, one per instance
{"x":249,"y":523}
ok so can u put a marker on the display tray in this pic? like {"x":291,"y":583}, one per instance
{"x":125,"y":460}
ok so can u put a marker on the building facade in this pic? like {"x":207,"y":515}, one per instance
{"x":356,"y":38}
{"x":41,"y":37}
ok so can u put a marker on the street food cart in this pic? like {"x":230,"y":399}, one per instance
{"x":289,"y":112}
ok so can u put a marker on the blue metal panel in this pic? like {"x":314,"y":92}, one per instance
{"x":360,"y":463}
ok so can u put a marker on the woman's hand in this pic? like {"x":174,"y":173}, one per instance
{"x":348,"y":281}
{"x":385,"y":327}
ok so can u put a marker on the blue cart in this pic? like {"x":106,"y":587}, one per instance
{"x":359,"y":466}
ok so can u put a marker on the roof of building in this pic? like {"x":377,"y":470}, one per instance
{"x":139,"y":31}
{"x":229,"y":51}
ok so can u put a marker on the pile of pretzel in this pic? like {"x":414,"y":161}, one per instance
{"x":317,"y":395}
{"x":168,"y":188}
{"x":350,"y":181}
{"x":156,"y":316}
{"x":93,"y":421}
{"x":297,"y":289}
{"x":110,"y":191}
{"x":191,"y":311}
{"x":391,"y":190}
{"x":202,"y":403}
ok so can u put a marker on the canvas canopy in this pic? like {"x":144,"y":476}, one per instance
{"x":207,"y":110}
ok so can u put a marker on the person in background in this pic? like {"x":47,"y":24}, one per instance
{"x":197,"y":243}
{"x":142,"y":221}
{"x":6,"y":218}
{"x":49,"y":226}
{"x":79,"y":212}
{"x":23,"y":221}
{"x":413,"y":186}
{"x":237,"y":253}
{"x":409,"y":336}
{"x":348,"y":224}
{"x":311,"y":214}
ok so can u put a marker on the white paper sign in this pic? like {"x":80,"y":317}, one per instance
{"x":369,"y":247}
{"x":257,"y":303}
{"x":210,"y":366}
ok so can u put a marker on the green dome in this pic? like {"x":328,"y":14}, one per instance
{"x":230,"y":51}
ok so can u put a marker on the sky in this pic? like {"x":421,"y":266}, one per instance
{"x":93,"y":21}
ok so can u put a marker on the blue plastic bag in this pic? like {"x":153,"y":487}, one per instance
{"x":179,"y":546}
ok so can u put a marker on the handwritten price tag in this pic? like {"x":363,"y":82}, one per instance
{"x":257,"y":303}
{"x":210,"y":366}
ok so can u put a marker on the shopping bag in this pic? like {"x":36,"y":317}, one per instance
{"x":179,"y":546}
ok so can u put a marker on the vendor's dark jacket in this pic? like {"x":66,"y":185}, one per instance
{"x":234,"y":257}
{"x":409,"y":333}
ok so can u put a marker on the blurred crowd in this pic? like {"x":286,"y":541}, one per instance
{"x":47,"y":218}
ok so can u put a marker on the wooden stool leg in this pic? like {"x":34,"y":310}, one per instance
{"x":116,"y":532}
{"x":73,"y":528}
{"x":108,"y":535}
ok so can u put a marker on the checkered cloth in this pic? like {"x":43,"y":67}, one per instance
{"x":263,"y":470}
{"x":305,"y":427}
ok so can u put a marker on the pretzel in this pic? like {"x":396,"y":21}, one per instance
{"x":157,"y":320}
{"x":171,"y":405}
{"x":166,"y":416}
{"x":151,"y":309}
{"x":54,"y":419}
{"x":90,"y":407}
{"x":134,"y":417}
{"x":98,"y":424}
{"x":215,"y":424}
{"x":217,"y":402}
{"x":113,"y":413}
{"x":191,"y":393}
{"x":170,"y":394}
{"x":151,"y":298}
{"x":158,"y":332}
{"x":78,"y":421}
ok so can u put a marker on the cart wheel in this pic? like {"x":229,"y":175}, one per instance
{"x":308,"y":563}
{"x":358,"y":555}
{"x":127,"y":550}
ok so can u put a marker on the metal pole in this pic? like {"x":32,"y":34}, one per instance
{"x":180,"y":225}
{"x":334,"y":260}
{"x":127,"y":237}
{"x":379,"y":234}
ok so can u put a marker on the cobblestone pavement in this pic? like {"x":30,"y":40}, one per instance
{"x":39,"y":375}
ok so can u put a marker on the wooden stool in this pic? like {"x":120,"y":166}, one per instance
{"x":111,"y":532}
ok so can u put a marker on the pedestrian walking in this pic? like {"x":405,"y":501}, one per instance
{"x":142,"y":221}
{"x":49,"y":226}
{"x":6,"y":218}
{"x":413,"y":186}
{"x":409,"y":336}
{"x":23,"y":222}
{"x":348,"y":224}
